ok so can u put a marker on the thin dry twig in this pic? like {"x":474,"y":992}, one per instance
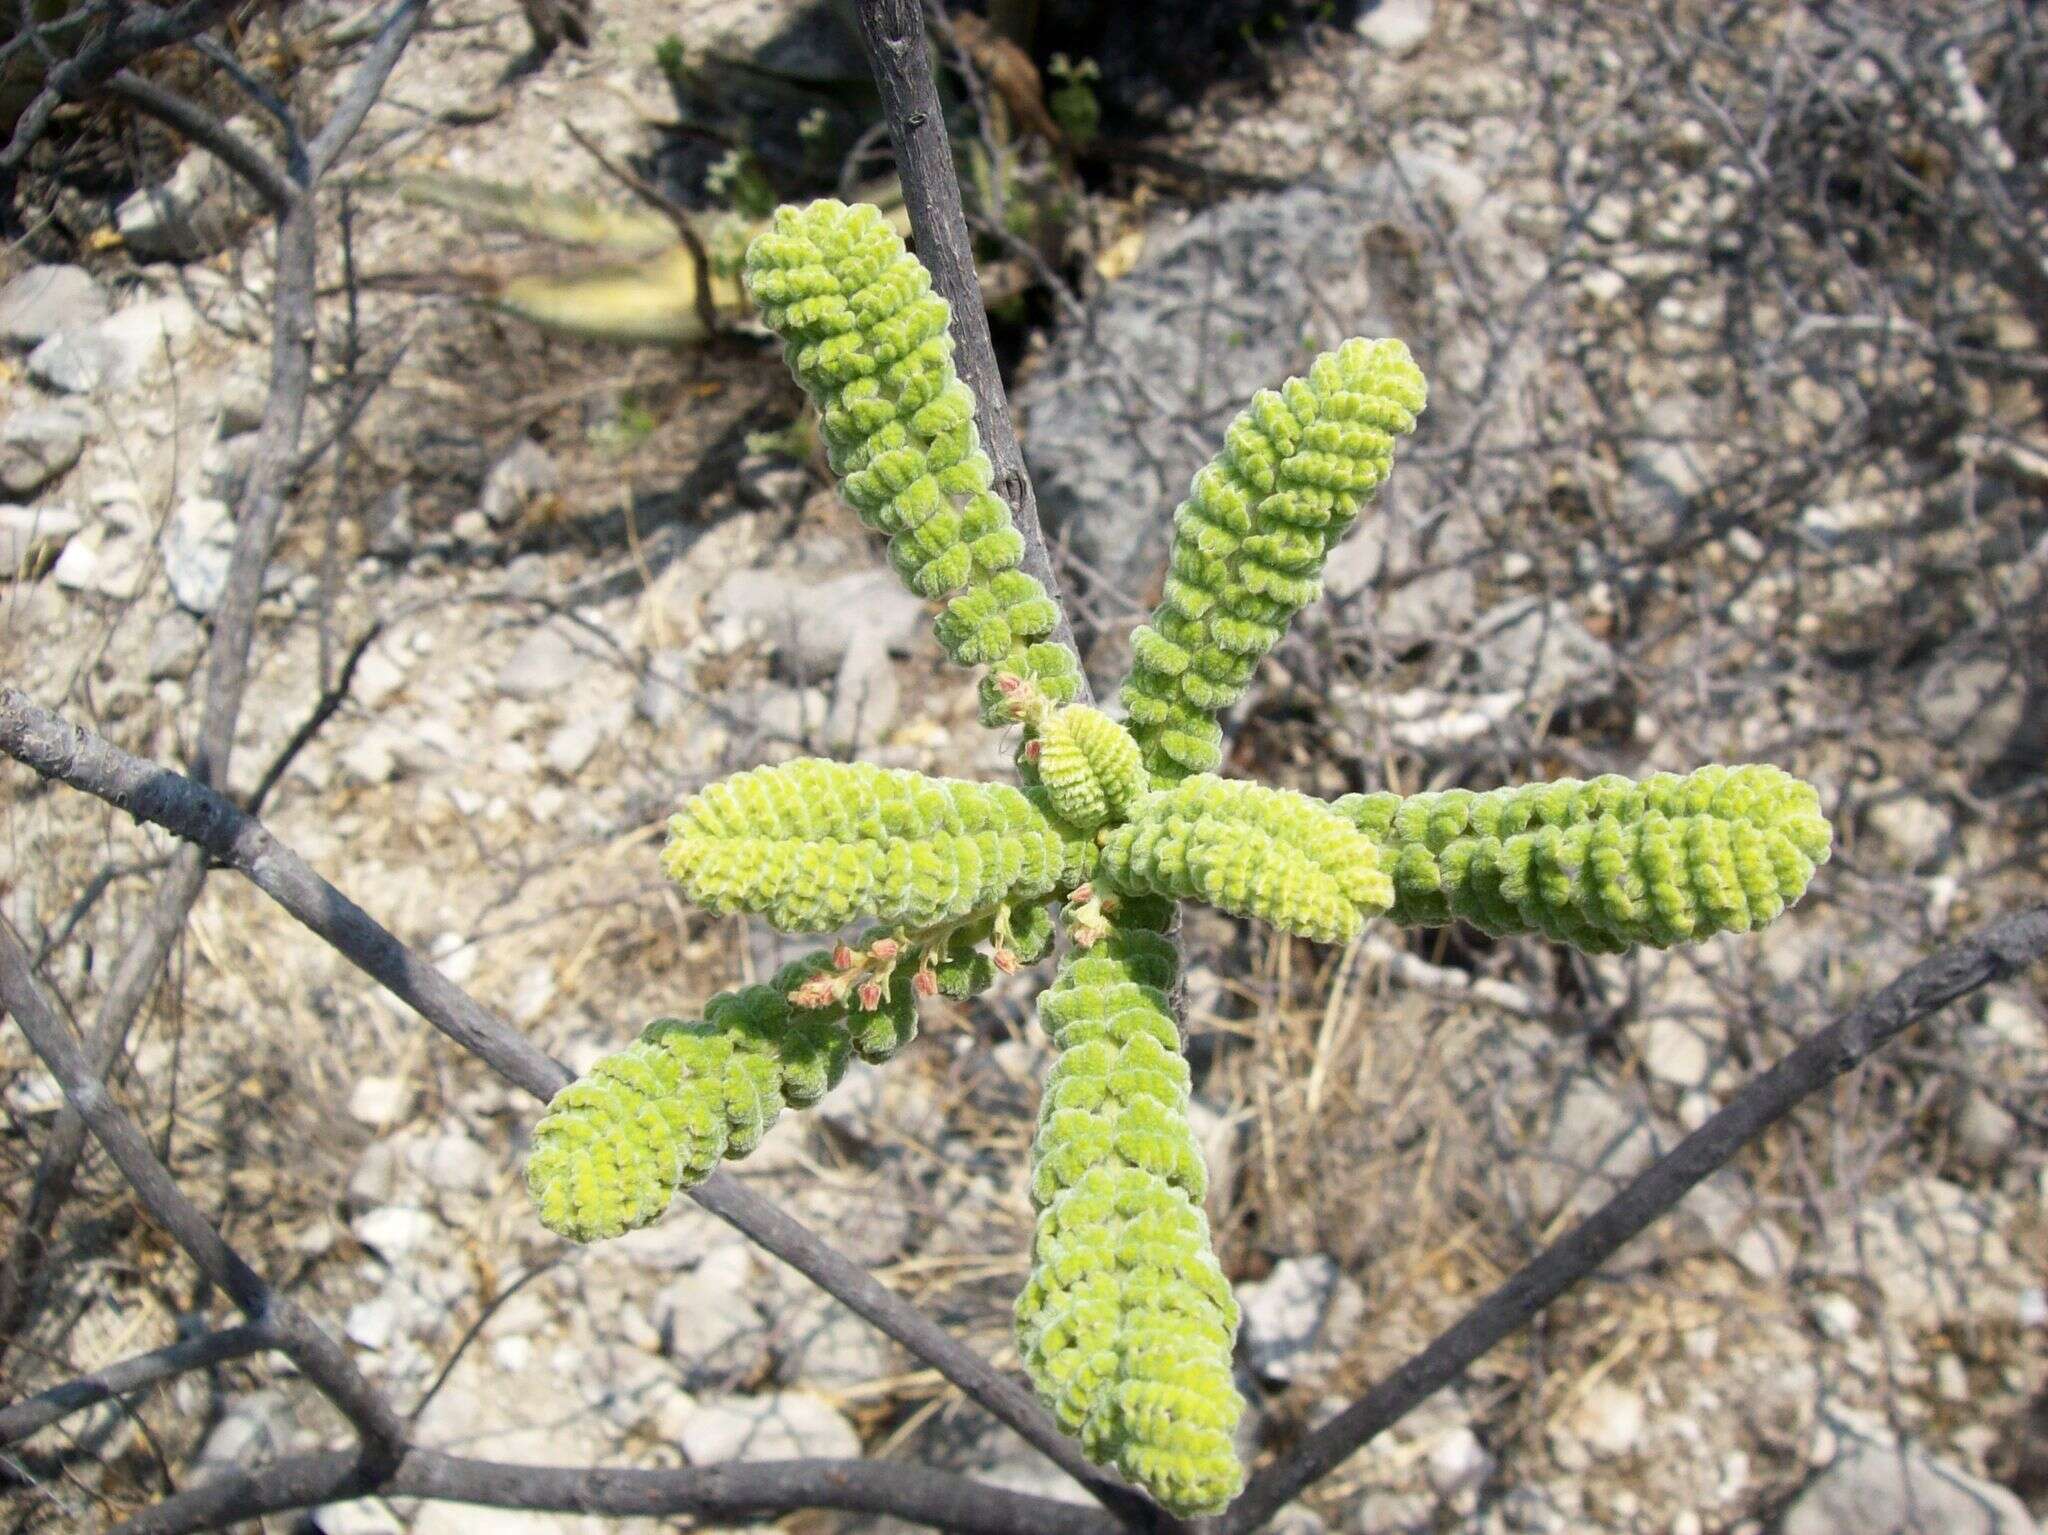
{"x":1996,"y":952}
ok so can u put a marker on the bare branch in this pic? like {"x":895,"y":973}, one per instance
{"x":134,"y":977}
{"x":258,"y":515}
{"x":894,"y":32}
{"x":42,"y":741}
{"x":323,"y":1360}
{"x":1993,"y":953}
{"x":104,"y":57}
{"x":363,"y":90}
{"x":25,"y":1417}
{"x":210,"y":133}
{"x":738,"y":1493}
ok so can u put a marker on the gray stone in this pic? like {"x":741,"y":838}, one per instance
{"x":1394,"y":1513}
{"x":1132,"y":402}
{"x":1986,"y":1131}
{"x":548,"y":663}
{"x":823,"y":1345}
{"x":371,"y":758}
{"x":452,"y":1162}
{"x":1610,"y":1420}
{"x":1536,"y":647}
{"x":46,"y":299}
{"x":1935,"y":1252}
{"x":255,"y":1428}
{"x":772,"y":711}
{"x":373,"y":1324}
{"x":115,"y":353}
{"x":199,"y":210}
{"x":1458,"y":1464}
{"x":876,"y":1107}
{"x":378,"y":679}
{"x":106,"y":561}
{"x":1004,"y":1460}
{"x":522,"y":479}
{"x":242,"y":399}
{"x":33,"y":1094}
{"x":1971,"y":705}
{"x":865,"y":697}
{"x":571,"y":745}
{"x":396,"y":1232}
{"x":667,"y":690}
{"x":198,"y":545}
{"x":363,"y":1516}
{"x":813,"y":625}
{"x":380,"y":1102}
{"x":1420,"y":577}
{"x":707,"y":1322}
{"x":1398,"y":27}
{"x":771,"y":482}
{"x":1300,"y":1318}
{"x":224,"y":466}
{"x":176,"y":642}
{"x":1915,"y":830}
{"x":30,"y":535}
{"x":1298,"y":1519}
{"x":782,"y":1425}
{"x":2010,"y":1024}
{"x":1678,"y":1051}
{"x":1875,"y":1489}
{"x":1218,"y":1134}
{"x":37,"y":445}
{"x":1663,"y":468}
{"x":687,"y":1236}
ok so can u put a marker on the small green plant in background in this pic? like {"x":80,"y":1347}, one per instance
{"x":1073,"y":103}
{"x":739,"y":182}
{"x":1127,"y":1322}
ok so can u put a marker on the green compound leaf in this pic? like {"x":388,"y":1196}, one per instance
{"x":866,"y":337}
{"x":1253,"y":851}
{"x":617,"y":1144}
{"x":1250,"y":541}
{"x":811,"y":845}
{"x":1090,"y":766}
{"x":1604,"y":864}
{"x":1126,"y":1323}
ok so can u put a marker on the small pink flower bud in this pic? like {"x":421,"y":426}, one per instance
{"x":1083,"y":894}
{"x":843,"y":958}
{"x":885,"y":949}
{"x":1005,"y":961}
{"x":1009,"y":684}
{"x":1033,"y":749}
{"x":1085,"y":937}
{"x":871,"y":995}
{"x":819,"y":991}
{"x":925,"y":984}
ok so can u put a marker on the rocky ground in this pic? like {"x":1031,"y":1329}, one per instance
{"x":1683,"y":494}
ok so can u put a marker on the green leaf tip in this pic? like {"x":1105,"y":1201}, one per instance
{"x":1126,"y":1323}
{"x":1250,"y":541}
{"x":1281,"y":857}
{"x":1603,"y":864}
{"x":812,"y":845}
{"x":617,"y":1144}
{"x":866,"y":337}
